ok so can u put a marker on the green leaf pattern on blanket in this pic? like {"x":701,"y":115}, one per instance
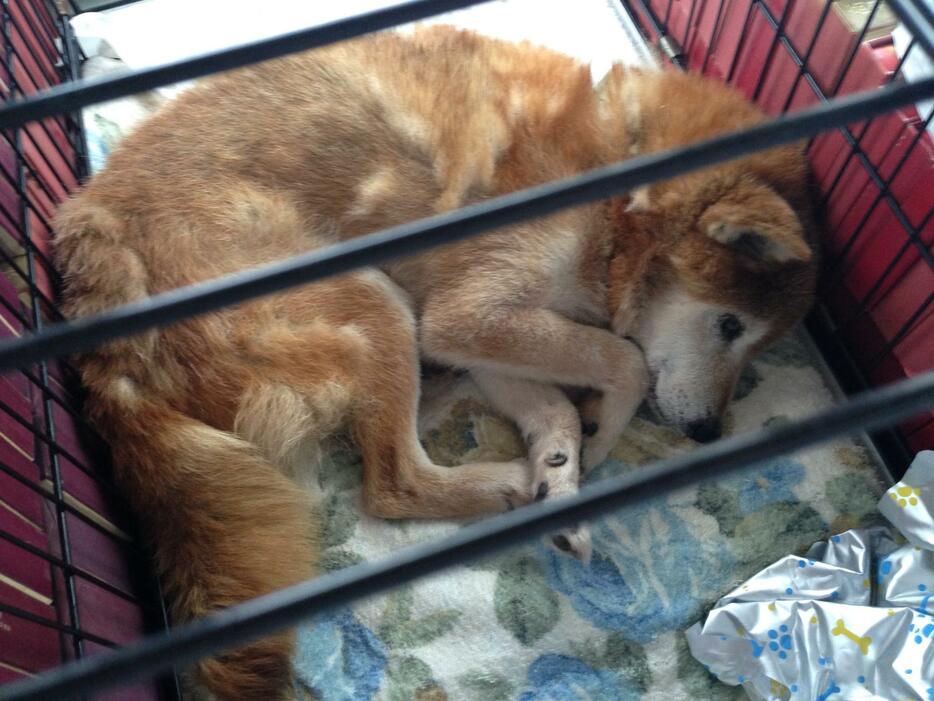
{"x":722,"y":504}
{"x":645,"y":441}
{"x":486,"y":685}
{"x":697,"y":682}
{"x":629,"y":659}
{"x":340,"y":468}
{"x":399,"y":630}
{"x":854,"y":494}
{"x":410,"y":679}
{"x":338,"y":559}
{"x":499,"y":629}
{"x":626,"y":658}
{"x":339,"y":477}
{"x":525,"y":605}
{"x":792,"y":527}
{"x":398,"y":611}
{"x":340,"y":517}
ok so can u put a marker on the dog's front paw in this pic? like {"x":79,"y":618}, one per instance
{"x":555,"y":460}
{"x":575,"y":542}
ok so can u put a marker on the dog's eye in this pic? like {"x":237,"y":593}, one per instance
{"x":731,"y":327}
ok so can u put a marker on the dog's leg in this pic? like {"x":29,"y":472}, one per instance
{"x":400,"y":480}
{"x":551,"y":427}
{"x":358,"y":358}
{"x":539,"y":344}
{"x":604,"y":418}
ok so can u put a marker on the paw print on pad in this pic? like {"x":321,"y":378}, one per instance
{"x":780,"y":642}
{"x":905,"y":495}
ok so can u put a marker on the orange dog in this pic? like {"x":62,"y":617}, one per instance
{"x":211,"y":421}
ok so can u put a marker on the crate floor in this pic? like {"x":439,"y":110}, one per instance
{"x":531,"y":624}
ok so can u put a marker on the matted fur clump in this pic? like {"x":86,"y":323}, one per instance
{"x":666,"y":293}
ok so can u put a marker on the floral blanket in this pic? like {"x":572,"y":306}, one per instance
{"x":531,"y":624}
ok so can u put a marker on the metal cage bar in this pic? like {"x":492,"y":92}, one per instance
{"x":55,"y":625}
{"x":918,"y":18}
{"x":283,"y":609}
{"x":47,"y":419}
{"x":288,"y":607}
{"x":66,"y":98}
{"x":56,"y":161}
{"x":902,"y":332}
{"x":853,"y":142}
{"x":825,"y":197}
{"x":72,"y":569}
{"x":83,"y":334}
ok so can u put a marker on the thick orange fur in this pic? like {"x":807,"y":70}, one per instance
{"x":211,"y":420}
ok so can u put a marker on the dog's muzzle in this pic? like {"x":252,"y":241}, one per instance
{"x":705,"y":430}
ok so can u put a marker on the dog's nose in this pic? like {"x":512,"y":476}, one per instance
{"x":705,"y":430}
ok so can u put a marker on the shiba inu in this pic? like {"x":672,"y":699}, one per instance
{"x":665,"y":292}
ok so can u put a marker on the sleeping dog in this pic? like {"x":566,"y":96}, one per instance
{"x":666,"y":292}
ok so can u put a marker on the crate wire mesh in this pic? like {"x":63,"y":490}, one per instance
{"x":51,"y":382}
{"x":786,"y":54}
{"x":72,"y":577}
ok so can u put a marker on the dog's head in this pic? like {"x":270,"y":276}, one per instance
{"x":713,"y":266}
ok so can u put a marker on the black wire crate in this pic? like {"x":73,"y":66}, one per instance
{"x":73,"y":579}
{"x":874,"y":178}
{"x":85,"y":584}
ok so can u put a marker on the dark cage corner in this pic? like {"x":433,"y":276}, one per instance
{"x":74,"y":579}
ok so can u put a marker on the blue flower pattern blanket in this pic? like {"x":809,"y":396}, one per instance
{"x":530,"y":624}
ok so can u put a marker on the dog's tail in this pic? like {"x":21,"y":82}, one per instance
{"x":223,"y":523}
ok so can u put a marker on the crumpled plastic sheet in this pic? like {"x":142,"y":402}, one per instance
{"x":851,"y":619}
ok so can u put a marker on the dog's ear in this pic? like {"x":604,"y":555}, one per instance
{"x":758,"y":224}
